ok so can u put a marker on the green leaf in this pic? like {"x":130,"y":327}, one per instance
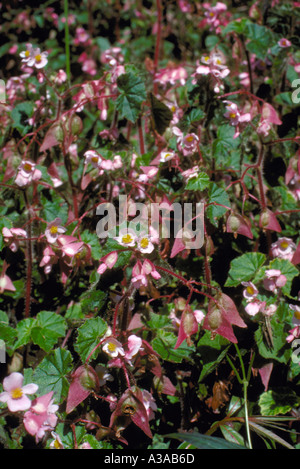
{"x":92,"y":301}
{"x":8,"y":335}
{"x":204,"y":441}
{"x":281,"y":401}
{"x":217,"y":198}
{"x":20,"y":115}
{"x":161,"y":114}
{"x":24,"y":332}
{"x":281,"y":350}
{"x":260,"y":39}
{"x":232,"y":435}
{"x":164,"y":344}
{"x":211,"y":352}
{"x":244,"y":268}
{"x":48,"y":328}
{"x":198,"y":183}
{"x":132,"y":95}
{"x":89,"y":335}
{"x":51,"y":374}
{"x":93,"y":241}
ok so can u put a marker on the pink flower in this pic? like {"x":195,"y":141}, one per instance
{"x":294,"y":333}
{"x":283,"y":248}
{"x":255,"y":307}
{"x":149,"y":404}
{"x":283,"y":42}
{"x":250,"y":292}
{"x":141,"y":271}
{"x":6,"y":283}
{"x":53,"y":230}
{"x":92,"y":157}
{"x":15,"y":394}
{"x":49,"y":258}
{"x":11,"y":235}
{"x":235,"y":117}
{"x":41,"y":416}
{"x":81,"y":36}
{"x":134,"y":344}
{"x":213,"y":66}
{"x":27,"y":173}
{"x":61,"y":77}
{"x":107,"y":262}
{"x":274,"y":280}
{"x":187,"y":144}
{"x":171,"y":75}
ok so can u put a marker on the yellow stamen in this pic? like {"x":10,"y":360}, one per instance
{"x":284,"y":244}
{"x":95,"y":159}
{"x":126,"y":239}
{"x":232,"y":115}
{"x":27,"y":167}
{"x":144,"y":243}
{"x":53,"y":230}
{"x":111,"y":347}
{"x":16,"y":393}
{"x":190,"y":138}
{"x":57,"y":444}
{"x":27,"y":53}
{"x":297,"y":314}
{"x":38,"y":58}
{"x":250,"y":290}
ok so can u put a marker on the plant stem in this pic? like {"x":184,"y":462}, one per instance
{"x":67,"y":41}
{"x":245,"y":388}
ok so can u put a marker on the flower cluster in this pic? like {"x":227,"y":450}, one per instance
{"x":40,"y":415}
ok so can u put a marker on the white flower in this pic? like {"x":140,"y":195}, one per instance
{"x":113,"y":347}
{"x":144,"y":244}
{"x":127,"y":238}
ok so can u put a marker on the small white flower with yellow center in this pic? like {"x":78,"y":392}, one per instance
{"x":113,"y":348}
{"x":26,"y":54}
{"x":53,"y":230}
{"x":56,"y":443}
{"x":126,"y":238}
{"x":93,"y":158}
{"x":166,"y":156}
{"x":38,"y":59}
{"x":144,"y":244}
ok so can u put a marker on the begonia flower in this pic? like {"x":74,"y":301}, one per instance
{"x":53,"y":230}
{"x":250,"y":292}
{"x":27,"y":173}
{"x":15,"y":394}
{"x":283,"y":42}
{"x":37,"y":59}
{"x":283,"y":248}
{"x":41,"y":416}
{"x":274,"y":279}
{"x":113,"y":347}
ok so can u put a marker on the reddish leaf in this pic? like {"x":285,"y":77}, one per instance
{"x":222,"y":316}
{"x":84,"y":380}
{"x":188,"y":326}
{"x":130,"y":407}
